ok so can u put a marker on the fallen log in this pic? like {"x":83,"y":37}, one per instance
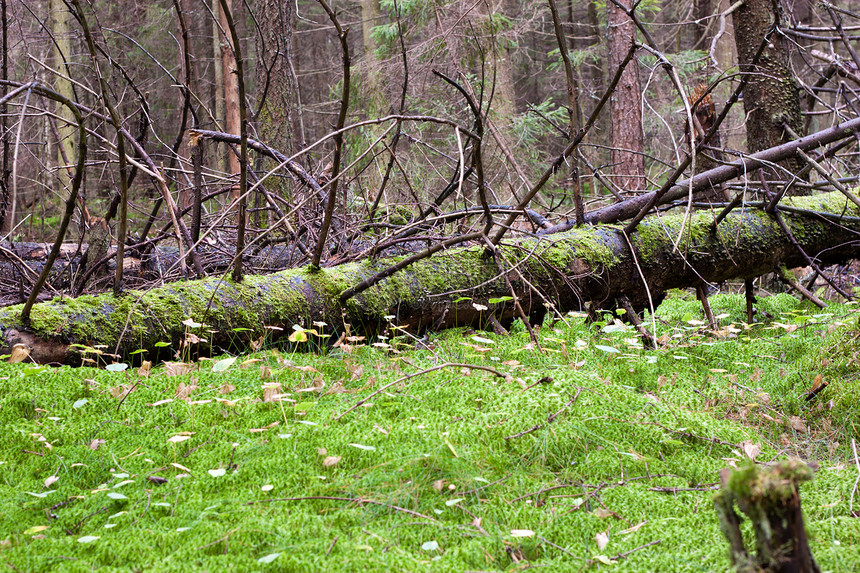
{"x":707,"y":180}
{"x":569,"y":269}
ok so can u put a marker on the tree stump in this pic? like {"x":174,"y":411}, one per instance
{"x":769,"y":498}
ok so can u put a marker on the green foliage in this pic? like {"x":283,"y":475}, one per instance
{"x":687,"y":62}
{"x":450,"y":470}
{"x":577,"y":58}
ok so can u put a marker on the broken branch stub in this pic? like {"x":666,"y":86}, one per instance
{"x":769,"y":498}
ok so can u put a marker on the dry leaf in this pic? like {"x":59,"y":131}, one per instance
{"x":121,"y":391}
{"x":633,"y":529}
{"x":603,"y":513}
{"x":797,"y":424}
{"x":265,"y":372}
{"x":51,"y":480}
{"x":184,"y":391}
{"x":602,"y":539}
{"x":145,"y":369}
{"x":336,"y":388}
{"x":19,"y":354}
{"x":356,"y":372}
{"x":157,"y":480}
{"x":177,"y":368}
{"x":322,"y":451}
{"x":272,"y":392}
{"x":95,"y":444}
{"x":750,"y":449}
{"x":331,"y":461}
{"x":226,"y":388}
{"x":439,"y":485}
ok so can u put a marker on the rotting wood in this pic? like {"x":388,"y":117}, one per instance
{"x":769,"y":498}
{"x":570,"y":269}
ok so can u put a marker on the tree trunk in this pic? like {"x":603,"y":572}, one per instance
{"x":771,"y":96}
{"x":232,"y":118}
{"x":586,"y":264}
{"x":61,"y":30}
{"x":628,"y":139}
{"x":277,"y":91}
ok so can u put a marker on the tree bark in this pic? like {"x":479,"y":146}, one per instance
{"x":772,"y":96}
{"x":769,"y":497}
{"x":586,"y":264}
{"x":277,"y":90}
{"x":232,"y":118}
{"x":61,"y":19}
{"x":628,"y":139}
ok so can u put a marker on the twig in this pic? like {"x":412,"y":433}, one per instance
{"x":330,"y":547}
{"x":338,"y":139}
{"x":434,"y":368}
{"x":624,"y":555}
{"x":709,"y":487}
{"x":804,"y":292}
{"x":350,"y":499}
{"x":549,"y":420}
{"x":809,"y":260}
{"x":854,"y":489}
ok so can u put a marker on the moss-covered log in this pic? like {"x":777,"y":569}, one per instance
{"x":570,"y":269}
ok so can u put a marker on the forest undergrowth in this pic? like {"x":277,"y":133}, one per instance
{"x":587,"y":452}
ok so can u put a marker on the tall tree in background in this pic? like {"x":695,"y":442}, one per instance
{"x":771,"y":97}
{"x":231,"y":90}
{"x":627,"y":137}
{"x":277,"y":89}
{"x":61,"y":19}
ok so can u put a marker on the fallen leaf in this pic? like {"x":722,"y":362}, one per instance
{"x":603,"y":513}
{"x":145,"y":369}
{"x":633,"y":529}
{"x":331,"y":461}
{"x":51,"y":480}
{"x":19,"y":354}
{"x":120,"y":391}
{"x":177,"y":368}
{"x":272,"y":392}
{"x":797,"y":424}
{"x":522,"y":533}
{"x":336,"y":388}
{"x":602,"y":539}
{"x":750,"y":449}
{"x":217,"y":473}
{"x":36,"y":529}
{"x":223,"y":365}
{"x":184,"y":391}
{"x":95,"y":444}
{"x":226,"y":388}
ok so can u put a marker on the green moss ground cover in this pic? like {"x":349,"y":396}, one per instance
{"x":452,"y":470}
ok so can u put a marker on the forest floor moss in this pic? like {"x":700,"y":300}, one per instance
{"x":451,"y":470}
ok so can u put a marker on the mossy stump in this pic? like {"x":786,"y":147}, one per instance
{"x":769,"y":498}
